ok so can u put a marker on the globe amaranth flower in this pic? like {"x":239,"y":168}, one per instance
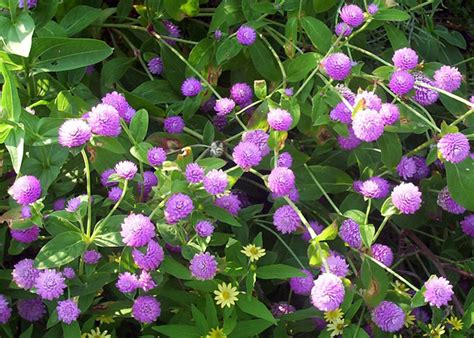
{"x":91,"y":256}
{"x":126,"y":170}
{"x":260,"y":138}
{"x":191,"y":87}
{"x":370,"y":100}
{"x":448,"y":78}
{"x":31,"y":310}
{"x":341,"y":113}
{"x":375,"y":187}
{"x":73,"y":204}
{"x":104,"y":120}
{"x":119,"y":102}
{"x":50,"y":284}
{"x":27,"y":235}
{"x":421,"y":314}
{"x":149,"y":181}
{"x":346,"y":93}
{"x":389,"y":113}
{"x":203,"y":266}
{"x":438,"y":291}
{"x":446,"y":202}
{"x":177,"y":207}
{"x":149,"y":257}
{"x":215,"y":182}
{"x":406,"y":168}
{"x":104,"y":178}
{"x":352,"y":15}
{"x":25,"y":211}
{"x":348,"y":142}
{"x":69,"y":272}
{"x":74,"y":133}
{"x":145,"y":281}
{"x":5,"y":310}
{"x":401,"y":82}
{"x":219,"y":122}
{"x":279,"y":119}
{"x":338,"y":66}
{"x":328,"y":292}
{"x":350,"y":233}
{"x":286,"y":220}
{"x":208,"y":105}
{"x":337,"y":265}
{"x":137,"y":230}
{"x":156,"y":156}
{"x":229,"y":202}
{"x":241,"y":93}
{"x":285,"y":160}
{"x":224,"y":106}
{"x":454,"y":147}
{"x":25,"y":190}
{"x":282,"y":308}
{"x":383,"y":254}
{"x":204,"y":228}
{"x":173,"y":124}
{"x":424,"y":96}
{"x":405,"y":59}
{"x":388,"y":316}
{"x":218,"y":34}
{"x":146,"y":309}
{"x":281,"y":180}
{"x":24,"y":273}
{"x":246,"y":35}
{"x":59,"y":204}
{"x":155,"y":65}
{"x":194,"y":173}
{"x":372,"y":9}
{"x":29,"y":3}
{"x":318,"y":228}
{"x":127,"y":282}
{"x":467,"y":225}
{"x":343,"y":29}
{"x":173,"y":31}
{"x":406,"y":197}
{"x":368,"y":125}
{"x":243,"y":197}
{"x":246,"y":155}
{"x":302,"y":285}
{"x":114,"y":194}
{"x":68,"y":311}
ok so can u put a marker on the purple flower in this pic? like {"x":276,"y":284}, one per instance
{"x":346,"y":93}
{"x":279,"y":119}
{"x":31,"y":310}
{"x":173,"y":31}
{"x":338,"y":66}
{"x":302,"y":285}
{"x":438,"y":291}
{"x":337,"y":265}
{"x":208,"y":105}
{"x":389,"y":113}
{"x":173,"y":124}
{"x":194,"y":173}
{"x":137,"y":230}
{"x":343,"y":29}
{"x":285,"y":160}
{"x":119,"y":102}
{"x":145,"y":281}
{"x":156,"y":156}
{"x":405,"y":59}
{"x":5,"y":310}
{"x":149,"y":180}
{"x":371,"y":100}
{"x":149,"y":258}
{"x":68,"y":311}
{"x":282,"y":308}
{"x":127,"y":282}
{"x":406,"y":169}
{"x":104,"y":120}
{"x":448,"y":78}
{"x":74,"y":133}
{"x":341,"y":113}
{"x":350,"y":233}
{"x":104,"y":178}
{"x":50,"y":284}
{"x":467,"y":225}
{"x":352,"y":15}
{"x":29,"y":3}
{"x":388,"y":316}
{"x":155,"y":65}
{"x":218,"y":34}
{"x":424,"y":96}
{"x":246,"y":35}
{"x":59,"y":204}
{"x":375,"y":187}
{"x":126,"y":170}
{"x":328,"y":292}
{"x":146,"y":309}
{"x":91,"y":256}
{"x":224,"y":106}
{"x":203,"y":266}
{"x":25,"y":190}
{"x":281,"y":180}
{"x":421,"y":314}
{"x":260,"y":138}
{"x":368,"y":125}
{"x":229,"y":202}
{"x":25,"y":211}
{"x":177,"y":207}
{"x":73,"y":204}
{"x":247,"y":155}
{"x":422,"y":169}
{"x":289,"y":91}
{"x":215,"y":182}
{"x":69,"y":272}
{"x":407,"y":198}
{"x":286,"y":220}
{"x":241,"y":93}
{"x":204,"y":229}
{"x":401,"y":82}
{"x":191,"y":87}
{"x":446,"y":202}
{"x":372,"y":9}
{"x":27,"y":235}
{"x":114,"y":194}
{"x":454,"y":147}
{"x":348,"y":142}
{"x":220,"y":122}
{"x":318,"y":228}
{"x":383,"y":254}
{"x":24,"y":273}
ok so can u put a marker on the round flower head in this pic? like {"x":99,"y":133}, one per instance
{"x":328,"y":292}
{"x":149,"y":257}
{"x":401,"y":82}
{"x":173,"y":31}
{"x":343,"y":29}
{"x":279,"y":119}
{"x":50,"y":284}
{"x":31,"y":310}
{"x":119,"y":102}
{"x":73,"y":204}
{"x":69,"y":272}
{"x":145,"y":281}
{"x":346,"y":93}
{"x":27,"y":235}
{"x":229,"y":202}
{"x":104,"y":120}
{"x":421,"y":314}
{"x":126,"y":170}
{"x":446,"y":202}
{"x":406,"y":168}
{"x":454,"y":147}
{"x":448,"y":78}
{"x":375,"y":187}
{"x":74,"y":133}
{"x":137,"y":230}
{"x":338,"y":66}
{"x":104,"y":178}
{"x":260,"y":138}
{"x":337,"y":265}
{"x":191,"y":87}
{"x":286,"y":220}
{"x":25,"y":190}
{"x":203,"y":266}
{"x":407,"y":198}
{"x":352,"y":15}
{"x":24,"y":273}
{"x":405,"y":59}
{"x":348,"y":142}
{"x":114,"y":194}
{"x":371,"y":100}
{"x":156,"y":156}
{"x":219,"y":122}
{"x":194,"y":173}
{"x":177,"y":207}
{"x":68,"y":311}
{"x":372,"y":9}
{"x":281,"y":309}
{"x":281,"y":180}
{"x":368,"y":125}
{"x":146,"y":309}
{"x":389,"y":113}
{"x":149,"y":179}
{"x":208,"y":105}
{"x":91,"y":256}
{"x":438,"y":291}
{"x":350,"y":233}
{"x":285,"y":160}
{"x":424,"y":96}
{"x":5,"y":310}
{"x":241,"y":93}
{"x":215,"y":182}
{"x":129,"y":114}
{"x":247,"y":155}
{"x":224,"y":106}
{"x":341,"y":113}
{"x":357,"y":185}
{"x":388,"y":316}
{"x":59,"y":204}
{"x":467,"y":225}
{"x":289,"y":91}
{"x":173,"y":124}
{"x":29,"y":3}
{"x":218,"y":35}
{"x":246,"y":35}
{"x":383,"y":254}
{"x":422,"y":169}
{"x":302,"y":285}
{"x":318,"y":228}
{"x":25,"y":211}
{"x":204,"y":228}
{"x":155,"y":65}
{"x":127,"y":282}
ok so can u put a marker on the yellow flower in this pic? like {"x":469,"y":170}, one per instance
{"x":253,"y":252}
{"x":401,"y":289}
{"x":435,"y":332}
{"x":455,"y":322}
{"x":96,"y":334}
{"x":226,"y":295}
{"x":337,"y":327}
{"x":105,"y":319}
{"x":216,"y":333}
{"x":332,"y":316}
{"x":409,"y":319}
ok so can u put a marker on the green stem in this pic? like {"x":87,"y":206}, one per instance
{"x":369,"y":204}
{"x":420,"y":147}
{"x":372,"y":55}
{"x":462,"y":117}
{"x":89,"y":200}
{"x":442,"y":91}
{"x":160,"y":205}
{"x":379,"y":230}
{"x":277,"y":59}
{"x":336,"y":209}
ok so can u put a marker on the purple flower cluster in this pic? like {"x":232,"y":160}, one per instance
{"x":68,"y":311}
{"x":328,"y":292}
{"x":448,"y":78}
{"x":104,"y":120}
{"x":215,"y":182}
{"x":31,"y":310}
{"x":350,"y":233}
{"x":401,"y":82}
{"x":156,"y":156}
{"x":247,"y":155}
{"x":383,"y":254}
{"x":194,"y":173}
{"x":126,"y":170}
{"x":454,"y":147}
{"x":352,"y":15}
{"x":224,"y":106}
{"x":148,"y":257}
{"x":203,"y":266}
{"x":229,"y":202}
{"x":375,"y":187}
{"x":338,"y":66}
{"x":204,"y":228}
{"x":337,"y":265}
{"x":286,"y":220}
{"x":259,"y":138}
{"x":146,"y":309}
{"x":405,"y":59}
{"x":27,"y":235}
{"x":91,"y":256}
{"x":413,"y":168}
{"x":5,"y":310}
{"x":137,"y":230}
{"x":25,"y":190}
{"x":173,"y":124}
{"x":388,"y":316}
{"x":49,"y":284}
{"x":368,"y":125}
{"x":438,"y":291}
{"x":281,"y":181}
{"x":302,"y":285}
{"x":119,"y":102}
{"x":279,"y":119}
{"x":424,"y":96}
{"x":24,"y":273}
{"x":178,"y":207}
{"x":246,"y":35}
{"x":191,"y":87}
{"x":406,"y":197}
{"x":241,"y":93}
{"x":155,"y":65}
{"x":446,"y":202}
{"x":467,"y":225}
{"x":341,"y":113}
{"x":74,"y":133}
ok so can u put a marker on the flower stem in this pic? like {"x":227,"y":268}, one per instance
{"x":89,"y":200}
{"x":336,"y":209}
{"x":442,"y":91}
{"x":379,"y":230}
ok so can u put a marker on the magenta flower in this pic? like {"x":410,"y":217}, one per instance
{"x":341,"y":113}
{"x":155,"y":65}
{"x":405,"y":59}
{"x":127,"y":282}
{"x":119,"y":102}
{"x":279,"y":119}
{"x":454,"y":147}
{"x":338,"y":66}
{"x":29,"y":3}
{"x":280,"y":181}
{"x":204,"y":229}
{"x":145,"y":281}
{"x":424,"y":96}
{"x":137,"y":230}
{"x":191,"y":87}
{"x":73,"y":204}
{"x":368,"y":125}
{"x":215,"y":182}
{"x":156,"y":156}
{"x":247,"y":155}
{"x":49,"y":284}
{"x":446,"y":202}
{"x":352,"y":15}
{"x":328,"y":292}
{"x":286,"y":220}
{"x":246,"y":35}
{"x":104,"y":120}
{"x":25,"y":190}
{"x":146,"y":309}
{"x":337,"y":265}
{"x":467,"y":225}
{"x":224,"y":106}
{"x":348,"y":142}
{"x":448,"y":78}
{"x":173,"y":124}
{"x":388,"y":316}
{"x":104,"y":178}
{"x":406,"y":197}
{"x":194,"y":173}
{"x":74,"y":133}
{"x":229,"y":202}
{"x":5,"y":310}
{"x":31,"y":310}
{"x":260,"y":138}
{"x":285,"y":160}
{"x":173,"y":31}
{"x":178,"y":207}
{"x":68,"y":311}
{"x":375,"y":187}
{"x":126,"y":170}
{"x":350,"y":233}
{"x":438,"y":291}
{"x":401,"y":82}
{"x":241,"y":93}
{"x":69,"y":272}
{"x":389,"y":113}
{"x":383,"y":254}
{"x":343,"y":29}
{"x":302,"y":285}
{"x":149,"y":257}
{"x":27,"y":235}
{"x":24,"y":273}
{"x":114,"y":194}
{"x":372,"y":9}
{"x":91,"y":256}
{"x":203,"y":266}
{"x":59,"y":204}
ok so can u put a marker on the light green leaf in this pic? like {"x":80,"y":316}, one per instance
{"x":139,"y":125}
{"x":11,"y":105}
{"x":461,"y":182}
{"x":255,"y":308}
{"x":278,"y":271}
{"x":318,"y":33}
{"x":17,"y":35}
{"x":61,"y":250}
{"x":391,"y":14}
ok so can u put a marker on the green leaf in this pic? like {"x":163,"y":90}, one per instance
{"x":175,"y":268}
{"x":329,"y":233}
{"x":59,"y":222}
{"x":461,"y":182}
{"x":255,"y":308}
{"x":264,"y":61}
{"x":396,"y":36}
{"x":78,"y":18}
{"x":298,"y":68}
{"x":388,"y":209}
{"x":318,"y":33}
{"x":109,"y":233}
{"x":148,"y":90}
{"x":71,"y":330}
{"x":139,"y":125}
{"x":11,"y":104}
{"x":208,"y":133}
{"x":367,"y":232}
{"x":321,"y":6}
{"x":260,"y":89}
{"x":61,"y":250}
{"x":200,"y":320}
{"x":418,"y":299}
{"x":222,"y":215}
{"x":200,"y":55}
{"x":17,"y":35}
{"x":375,"y":283}
{"x":27,"y":333}
{"x":278,"y":271}
{"x":113,"y":70}
{"x":175,"y":330}
{"x":391,"y":14}
{"x":250,"y":328}
{"x":15,"y":144}
{"x":227,"y":50}
{"x":391,"y":150}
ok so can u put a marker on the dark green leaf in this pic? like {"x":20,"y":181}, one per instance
{"x":175,"y":268}
{"x":461,"y":182}
{"x":139,"y":125}
{"x":318,"y":33}
{"x":391,"y":150}
{"x":278,"y":271}
{"x":61,"y":250}
{"x":255,"y":308}
{"x":157,"y":92}
{"x":113,"y":70}
{"x":227,"y":50}
{"x":264,"y":61}
{"x":71,"y":330}
{"x":397,"y":37}
{"x":208,"y":133}
{"x":184,"y":331}
{"x":250,"y":328}
{"x":391,"y":14}
{"x":78,"y":18}
{"x":298,"y":68}
{"x":222,"y":215}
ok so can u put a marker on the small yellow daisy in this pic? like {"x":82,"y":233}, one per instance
{"x":401,"y":289}
{"x":216,"y":333}
{"x":435,"y":332}
{"x":226,"y":295}
{"x":332,"y":316}
{"x":455,"y":322}
{"x":253,"y":252}
{"x":337,"y":327}
{"x":103,"y":319}
{"x":409,"y":319}
{"x":96,"y":334}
